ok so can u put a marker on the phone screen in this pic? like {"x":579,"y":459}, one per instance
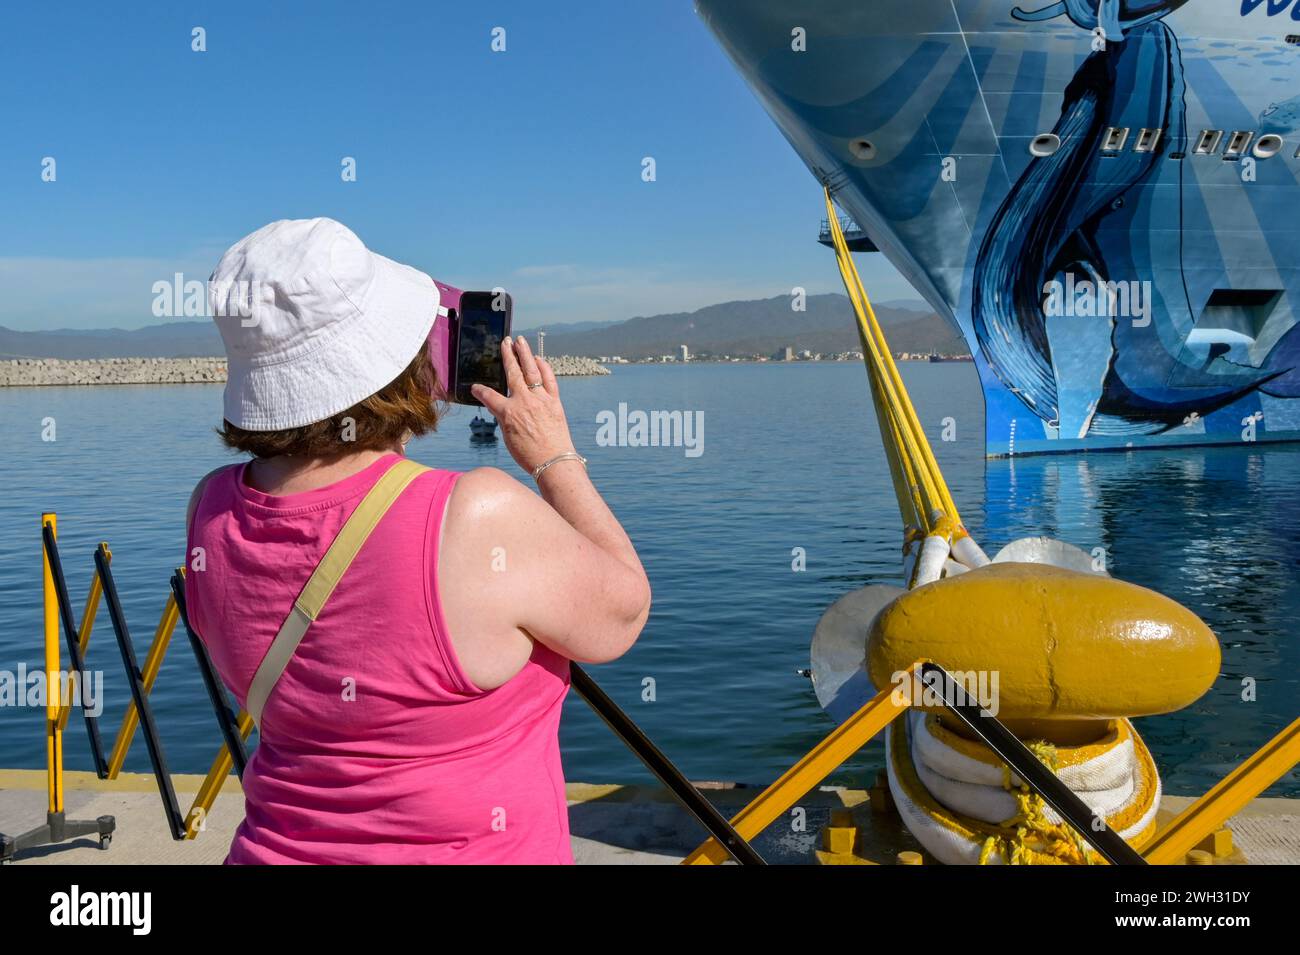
{"x":484,"y":322}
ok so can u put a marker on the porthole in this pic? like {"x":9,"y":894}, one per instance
{"x":862,"y":149}
{"x":1116,"y":136}
{"x":1044,"y":144}
{"x":1268,"y":146}
{"x":1238,"y":143}
{"x":1147,"y":140}
{"x":1209,"y":142}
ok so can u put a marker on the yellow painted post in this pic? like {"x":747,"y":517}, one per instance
{"x":212,"y":783}
{"x":822,"y":759}
{"x":53,"y":666}
{"x":149,"y":673}
{"x":1234,"y":791}
{"x":87,"y":624}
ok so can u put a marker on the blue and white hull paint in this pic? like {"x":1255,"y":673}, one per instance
{"x":1102,"y":195}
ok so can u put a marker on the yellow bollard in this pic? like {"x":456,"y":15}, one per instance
{"x":840,"y":836}
{"x":1218,"y":843}
{"x":880,"y":799}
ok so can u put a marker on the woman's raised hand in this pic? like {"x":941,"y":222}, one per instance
{"x":567,"y":550}
{"x":532,"y":417}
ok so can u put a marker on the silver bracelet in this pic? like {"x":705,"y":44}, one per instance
{"x":566,"y":456}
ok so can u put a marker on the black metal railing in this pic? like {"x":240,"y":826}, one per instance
{"x":847,"y":226}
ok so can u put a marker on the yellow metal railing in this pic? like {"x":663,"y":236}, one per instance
{"x":222,"y":764}
{"x":1229,"y":796}
{"x":149,"y":673}
{"x":54,"y":716}
{"x":215,"y":779}
{"x":823,"y":759}
{"x":58,"y":709}
{"x":88,"y":615}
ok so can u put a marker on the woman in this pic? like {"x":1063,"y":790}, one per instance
{"x":411,"y":715}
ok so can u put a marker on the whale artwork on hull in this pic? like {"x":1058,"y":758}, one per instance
{"x":1067,"y":215}
{"x":1103,"y":195}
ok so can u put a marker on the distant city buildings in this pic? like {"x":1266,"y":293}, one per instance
{"x":930,"y":356}
{"x":786,"y":353}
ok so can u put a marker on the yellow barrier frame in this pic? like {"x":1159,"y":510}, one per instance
{"x":212,"y":783}
{"x":54,"y":716}
{"x":88,"y":615}
{"x":60,"y":697}
{"x":1230,"y":795}
{"x":153,"y":661}
{"x":845,"y":740}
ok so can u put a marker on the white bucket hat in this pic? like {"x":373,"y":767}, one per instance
{"x":313,"y":322}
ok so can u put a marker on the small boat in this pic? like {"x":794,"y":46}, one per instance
{"x":483,"y":429}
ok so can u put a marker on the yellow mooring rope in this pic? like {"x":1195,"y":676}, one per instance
{"x":1034,"y":840}
{"x":924,"y":501}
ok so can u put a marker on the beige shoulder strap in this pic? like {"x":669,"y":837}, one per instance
{"x":325,"y":578}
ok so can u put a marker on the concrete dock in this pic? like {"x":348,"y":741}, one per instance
{"x":611,"y":824}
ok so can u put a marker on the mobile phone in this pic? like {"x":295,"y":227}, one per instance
{"x":483,"y":321}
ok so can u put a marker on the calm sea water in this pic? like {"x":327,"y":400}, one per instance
{"x":791,"y":460}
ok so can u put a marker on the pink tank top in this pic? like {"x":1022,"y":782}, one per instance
{"x":375,"y":746}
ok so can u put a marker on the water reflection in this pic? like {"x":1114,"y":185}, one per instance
{"x":1212,"y":528}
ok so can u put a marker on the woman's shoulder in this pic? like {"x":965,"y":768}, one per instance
{"x":488,"y":487}
{"x":489,"y":501}
{"x":489,"y":480}
{"x":197,"y":494}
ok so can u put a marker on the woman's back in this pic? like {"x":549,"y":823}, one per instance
{"x":408,"y":725}
{"x":375,"y":745}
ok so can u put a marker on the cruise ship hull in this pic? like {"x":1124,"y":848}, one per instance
{"x":1102,"y":195}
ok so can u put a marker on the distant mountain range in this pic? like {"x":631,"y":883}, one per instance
{"x":759,"y":327}
{"x":171,"y":340}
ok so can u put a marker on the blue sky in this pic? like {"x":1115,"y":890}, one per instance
{"x":520,"y":168}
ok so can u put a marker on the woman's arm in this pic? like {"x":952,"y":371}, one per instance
{"x":566,"y":485}
{"x":558,"y":568}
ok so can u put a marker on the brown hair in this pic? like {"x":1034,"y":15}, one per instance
{"x":407,"y":406}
